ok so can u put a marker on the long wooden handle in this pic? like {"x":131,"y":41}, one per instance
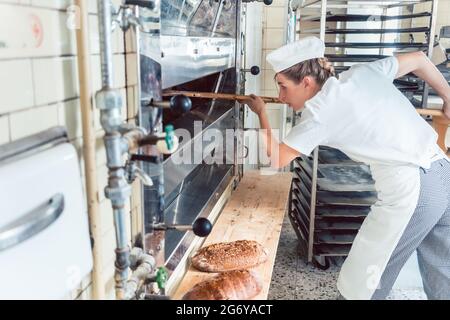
{"x":212,"y":95}
{"x":430,"y":112}
{"x":228,"y":96}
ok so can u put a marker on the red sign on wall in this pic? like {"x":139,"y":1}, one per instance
{"x":37,"y":30}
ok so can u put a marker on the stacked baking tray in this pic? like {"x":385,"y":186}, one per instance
{"x":327,"y":225}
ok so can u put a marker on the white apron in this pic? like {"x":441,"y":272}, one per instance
{"x":398,"y":190}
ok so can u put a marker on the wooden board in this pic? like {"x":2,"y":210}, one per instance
{"x":255,"y":211}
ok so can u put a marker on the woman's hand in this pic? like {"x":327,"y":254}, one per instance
{"x":256,"y":104}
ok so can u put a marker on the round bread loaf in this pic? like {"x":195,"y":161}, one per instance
{"x":227,"y":256}
{"x":231,"y":285}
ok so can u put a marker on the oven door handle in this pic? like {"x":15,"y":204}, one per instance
{"x":32,"y":223}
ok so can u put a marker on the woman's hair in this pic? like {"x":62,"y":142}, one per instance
{"x":319,"y":68}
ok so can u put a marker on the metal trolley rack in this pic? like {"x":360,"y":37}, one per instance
{"x":330,"y":194}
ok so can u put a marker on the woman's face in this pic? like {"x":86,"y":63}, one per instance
{"x":295,"y":95}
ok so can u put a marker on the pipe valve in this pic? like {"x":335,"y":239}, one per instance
{"x":201,"y":227}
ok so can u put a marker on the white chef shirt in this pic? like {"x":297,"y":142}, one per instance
{"x":365,"y":116}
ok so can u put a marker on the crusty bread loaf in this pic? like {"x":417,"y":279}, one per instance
{"x":227,"y":256}
{"x":231,"y":285}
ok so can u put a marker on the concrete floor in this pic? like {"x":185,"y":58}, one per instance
{"x":292,"y":279}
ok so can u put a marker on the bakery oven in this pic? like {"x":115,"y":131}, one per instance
{"x":189,"y":46}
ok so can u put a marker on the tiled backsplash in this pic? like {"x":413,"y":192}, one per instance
{"x":39,"y":89}
{"x":274,"y":36}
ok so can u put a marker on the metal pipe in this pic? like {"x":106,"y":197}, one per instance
{"x":120,"y":225}
{"x":110,"y":104}
{"x":181,"y":10}
{"x":105,"y":31}
{"x":145,"y":265}
{"x":84,"y":69}
{"x":312,"y":215}
{"x":323,"y":19}
{"x":383,"y":35}
{"x":216,"y":19}
{"x":122,"y":251}
{"x":432,"y":25}
{"x":118,"y":190}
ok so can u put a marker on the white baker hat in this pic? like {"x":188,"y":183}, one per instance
{"x":296,"y":52}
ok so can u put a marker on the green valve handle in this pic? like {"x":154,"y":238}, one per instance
{"x":169,"y":136}
{"x":161,"y":277}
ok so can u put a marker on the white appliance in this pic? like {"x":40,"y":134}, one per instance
{"x":45,"y":248}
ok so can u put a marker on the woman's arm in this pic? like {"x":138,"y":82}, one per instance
{"x":282,"y":154}
{"x":419,"y":64}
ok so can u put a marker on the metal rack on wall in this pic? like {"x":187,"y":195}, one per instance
{"x":331,"y":195}
{"x":419,"y":27}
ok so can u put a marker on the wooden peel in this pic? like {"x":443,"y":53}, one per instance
{"x":228,"y":96}
{"x":430,"y":112}
{"x":212,"y":95}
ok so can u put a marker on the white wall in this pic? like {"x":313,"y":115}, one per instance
{"x":266,"y":31}
{"x":253,"y":48}
{"x":39,"y":89}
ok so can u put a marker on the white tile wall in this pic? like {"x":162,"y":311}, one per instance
{"x":275,"y":17}
{"x":96,"y":72}
{"x":94,"y":45}
{"x":55,"y":79}
{"x":119,"y":70}
{"x":253,"y":47}
{"x":100,"y":152}
{"x":265,"y":64}
{"x":107,"y":252}
{"x":117,"y":37}
{"x":33,"y":120}
{"x":56,"y":4}
{"x":106,"y":216}
{"x":277,"y":3}
{"x":269,"y":80}
{"x":132,"y":69}
{"x":131,"y":113}
{"x":270,"y":93}
{"x":92,"y":6}
{"x":274,"y":36}
{"x":69,"y":116}
{"x":102,"y":180}
{"x":34,"y":33}
{"x":39,"y":89}
{"x":443,"y":18}
{"x":16,"y":85}
{"x":274,"y":116}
